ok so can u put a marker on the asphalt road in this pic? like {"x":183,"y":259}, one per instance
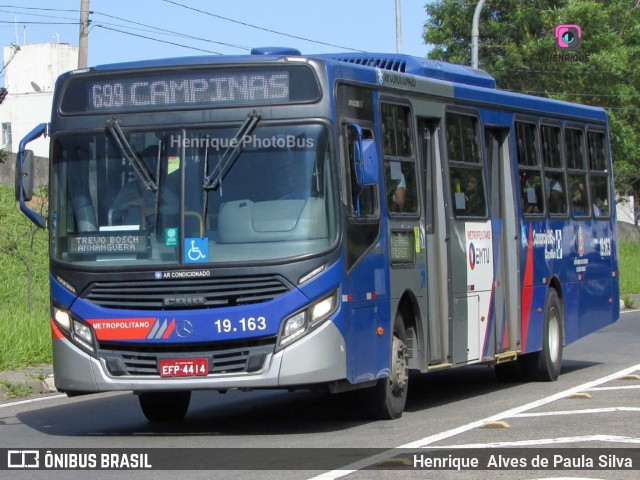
{"x":594,"y":405}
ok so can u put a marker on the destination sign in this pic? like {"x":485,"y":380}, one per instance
{"x":189,"y":89}
{"x":95,"y":243}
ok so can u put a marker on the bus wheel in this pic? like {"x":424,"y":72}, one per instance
{"x":164,"y":406}
{"x":545,"y":364}
{"x":386,"y":400}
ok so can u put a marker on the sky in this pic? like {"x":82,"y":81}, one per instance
{"x":118,"y":26}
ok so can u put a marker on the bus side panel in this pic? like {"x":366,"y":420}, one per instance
{"x":595,"y":306}
{"x":368,"y":353}
{"x":599,"y":306}
{"x":534,"y":291}
{"x":571,"y":300}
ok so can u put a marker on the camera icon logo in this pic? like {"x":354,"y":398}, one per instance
{"x":568,"y":37}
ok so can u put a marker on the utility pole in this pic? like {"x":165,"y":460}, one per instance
{"x":475,"y":34}
{"x":398,"y":28}
{"x":83,"y":42}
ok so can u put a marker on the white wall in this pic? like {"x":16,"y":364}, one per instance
{"x":625,"y":208}
{"x":30,"y":68}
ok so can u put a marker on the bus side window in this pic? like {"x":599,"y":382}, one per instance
{"x":399,"y":160}
{"x":578,"y":181}
{"x":530,"y":172}
{"x":466,"y":168}
{"x":600,"y":176}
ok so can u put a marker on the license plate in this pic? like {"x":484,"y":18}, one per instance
{"x":183,"y":367}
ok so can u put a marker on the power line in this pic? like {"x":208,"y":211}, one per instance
{"x":155,"y":39}
{"x":39,"y":23}
{"x":259,"y":28}
{"x":33,"y":14}
{"x":41,"y":8}
{"x":169,"y":32}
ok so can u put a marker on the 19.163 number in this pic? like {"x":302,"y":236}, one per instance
{"x":249,"y":324}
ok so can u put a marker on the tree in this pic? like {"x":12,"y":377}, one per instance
{"x":518,"y":47}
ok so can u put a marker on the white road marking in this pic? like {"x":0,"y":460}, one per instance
{"x":546,"y":441}
{"x":624,"y":387}
{"x":31,"y":400}
{"x":577,"y":412}
{"x":428,"y":441}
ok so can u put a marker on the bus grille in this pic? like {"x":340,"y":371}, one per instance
{"x":185,"y":294}
{"x":241,"y":357}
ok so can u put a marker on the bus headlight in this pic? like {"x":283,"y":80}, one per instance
{"x":294,"y":327}
{"x":83,"y":334}
{"x":78,"y":332}
{"x":62,"y":318}
{"x":300,"y":323}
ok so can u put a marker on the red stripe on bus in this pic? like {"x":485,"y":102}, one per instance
{"x":172,"y":325}
{"x":527,"y":290}
{"x":55,"y":331}
{"x":122,"y":328}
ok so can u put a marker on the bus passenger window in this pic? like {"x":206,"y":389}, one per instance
{"x":556,"y":193}
{"x":600,"y":195}
{"x":466,"y":171}
{"x":530,"y":192}
{"x":578,"y":195}
{"x":600,"y":175}
{"x":399,"y":161}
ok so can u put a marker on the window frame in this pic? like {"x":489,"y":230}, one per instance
{"x":466,"y":170}
{"x":575,"y":170}
{"x":527,"y":169}
{"x":402,"y":160}
{"x":599,"y":174}
{"x":555,"y":173}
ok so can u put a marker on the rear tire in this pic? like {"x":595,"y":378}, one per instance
{"x":545,"y":365}
{"x":386,"y":400}
{"x":164,"y":406}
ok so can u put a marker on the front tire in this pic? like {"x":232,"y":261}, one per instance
{"x":164,"y":406}
{"x":386,"y":400}
{"x":545,"y":365}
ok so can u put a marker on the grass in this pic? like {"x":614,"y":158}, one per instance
{"x":25,"y":335}
{"x":629,"y":253}
{"x":14,"y":389}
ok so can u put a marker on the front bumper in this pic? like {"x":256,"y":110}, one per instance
{"x":318,"y":357}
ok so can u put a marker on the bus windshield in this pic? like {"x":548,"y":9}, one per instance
{"x":275,"y":200}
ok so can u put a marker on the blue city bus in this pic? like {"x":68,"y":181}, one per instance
{"x":281,"y":221}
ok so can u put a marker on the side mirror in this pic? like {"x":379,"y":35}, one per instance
{"x":24,"y":175}
{"x":366,"y":159}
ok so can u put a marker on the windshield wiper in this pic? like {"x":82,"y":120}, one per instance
{"x":141,"y":168}
{"x":230,"y":155}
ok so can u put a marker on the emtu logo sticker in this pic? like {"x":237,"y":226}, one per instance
{"x":472,"y":256}
{"x":568,"y":37}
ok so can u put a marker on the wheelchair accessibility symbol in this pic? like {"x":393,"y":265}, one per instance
{"x":196,"y":250}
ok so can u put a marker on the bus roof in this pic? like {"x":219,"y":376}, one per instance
{"x":469,"y":84}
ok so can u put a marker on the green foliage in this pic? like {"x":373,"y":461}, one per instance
{"x":25,"y":335}
{"x":14,"y":389}
{"x":517,"y":46}
{"x":629,"y":253}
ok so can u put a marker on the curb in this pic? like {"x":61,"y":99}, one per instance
{"x":14,"y":384}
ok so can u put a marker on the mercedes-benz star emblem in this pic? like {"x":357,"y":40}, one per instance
{"x":184,"y":328}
